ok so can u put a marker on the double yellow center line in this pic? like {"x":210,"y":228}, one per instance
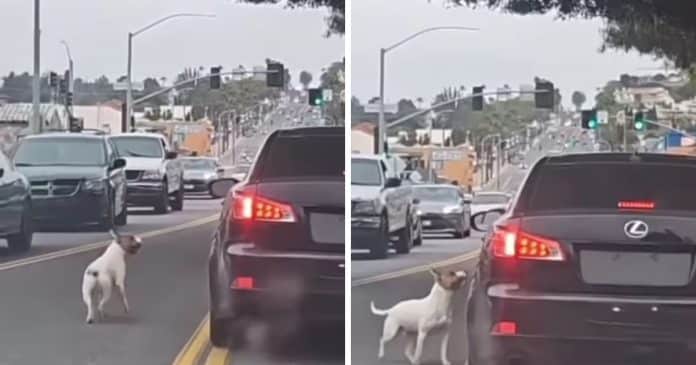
{"x":198,"y":345}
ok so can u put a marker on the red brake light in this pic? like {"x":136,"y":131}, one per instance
{"x":636,"y":205}
{"x":510,"y":243}
{"x":243,"y":282}
{"x":505,"y":328}
{"x":261,"y":209}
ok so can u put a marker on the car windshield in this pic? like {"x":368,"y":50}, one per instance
{"x":138,"y":147}
{"x":596,"y":186}
{"x":435,"y":194}
{"x":490,"y":199}
{"x":304,"y":156}
{"x":60,"y":151}
{"x":365,"y":172}
{"x":199,"y":164}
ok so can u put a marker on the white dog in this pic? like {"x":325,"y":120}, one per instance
{"x":417,"y":317}
{"x":106,"y":271}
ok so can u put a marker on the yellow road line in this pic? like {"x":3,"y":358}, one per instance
{"x":416,"y":269}
{"x":218,"y":356}
{"x":93,"y":246}
{"x":193,"y":350}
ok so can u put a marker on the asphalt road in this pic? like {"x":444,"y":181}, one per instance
{"x":42,"y":320}
{"x":400,"y":277}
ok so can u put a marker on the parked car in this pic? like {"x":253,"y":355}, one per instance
{"x":199,"y":172}
{"x":16,"y":224}
{"x":381,"y":207}
{"x":279,"y":250}
{"x":443,"y":209}
{"x":155,"y":175}
{"x":76,"y":178}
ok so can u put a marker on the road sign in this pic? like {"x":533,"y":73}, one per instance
{"x":603,"y":117}
{"x":327,"y":94}
{"x":388,"y":108}
{"x":673,"y":139}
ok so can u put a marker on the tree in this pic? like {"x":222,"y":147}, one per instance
{"x":337,"y":8}
{"x":578,"y":98}
{"x":305,"y":79}
{"x":333,"y":80}
{"x":406,"y":106}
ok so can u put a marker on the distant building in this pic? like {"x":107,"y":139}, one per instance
{"x":103,"y":117}
{"x":15,"y":117}
{"x":362,"y":138}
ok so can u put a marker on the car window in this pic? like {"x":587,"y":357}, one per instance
{"x":435,"y":194}
{"x":303,"y":156}
{"x":138,"y":146}
{"x":199,"y":164}
{"x":365,"y":172}
{"x":60,"y":151}
{"x":602,"y":186}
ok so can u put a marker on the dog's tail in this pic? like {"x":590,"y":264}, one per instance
{"x":377,"y":311}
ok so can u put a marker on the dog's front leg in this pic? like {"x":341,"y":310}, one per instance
{"x":410,"y":345}
{"x":443,"y":347}
{"x":122,"y":289}
{"x":419,"y":347}
{"x":106,"y":294}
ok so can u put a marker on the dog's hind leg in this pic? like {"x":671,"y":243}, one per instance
{"x":410,"y":346}
{"x":105,"y":295}
{"x":391,"y":329}
{"x":87,"y":289}
{"x":122,"y":290}
{"x":419,"y":347}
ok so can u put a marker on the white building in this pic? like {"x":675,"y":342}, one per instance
{"x":103,"y":117}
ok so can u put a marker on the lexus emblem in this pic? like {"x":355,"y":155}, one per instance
{"x":636,"y":229}
{"x":341,"y":266}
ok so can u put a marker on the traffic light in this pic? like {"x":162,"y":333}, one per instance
{"x":66,"y":76}
{"x":215,"y":77}
{"x":639,"y":123}
{"x":53,"y":79}
{"x":76,"y":124}
{"x":544,"y":96}
{"x":477,"y":99}
{"x":276,"y":75}
{"x":63,"y":86}
{"x":68,"y":99}
{"x":315,"y":97}
{"x":589,"y":119}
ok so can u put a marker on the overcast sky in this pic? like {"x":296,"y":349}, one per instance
{"x":97,"y":33}
{"x":508,"y":49}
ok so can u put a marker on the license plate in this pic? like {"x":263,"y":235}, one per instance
{"x":635,"y":268}
{"x":188,"y":186}
{"x":427,"y":223}
{"x":327,"y":228}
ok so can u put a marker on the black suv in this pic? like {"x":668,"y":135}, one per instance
{"x":75,"y":178}
{"x":593,"y":263}
{"x":279,"y":251}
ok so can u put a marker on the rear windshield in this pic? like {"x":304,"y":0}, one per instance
{"x":303,"y":156}
{"x":605,"y":186}
{"x":430,"y":194}
{"x":60,"y":151}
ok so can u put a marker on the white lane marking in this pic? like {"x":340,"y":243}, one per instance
{"x":93,"y":246}
{"x":416,"y":269}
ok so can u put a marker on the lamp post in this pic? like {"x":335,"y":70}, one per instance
{"x":129,"y":90}
{"x":70,"y":66}
{"x":382,"y":52}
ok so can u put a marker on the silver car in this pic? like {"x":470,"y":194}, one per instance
{"x":199,"y":172}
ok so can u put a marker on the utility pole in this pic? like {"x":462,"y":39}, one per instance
{"x":35,"y":122}
{"x":499,"y":153}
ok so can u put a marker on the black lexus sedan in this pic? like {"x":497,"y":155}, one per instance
{"x":278,"y":252}
{"x":593,"y":263}
{"x":75,"y":178}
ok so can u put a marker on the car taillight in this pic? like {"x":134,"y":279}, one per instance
{"x":243,"y":282}
{"x":505,"y":328}
{"x":513,"y":243}
{"x":250,"y":207}
{"x":637,"y":205}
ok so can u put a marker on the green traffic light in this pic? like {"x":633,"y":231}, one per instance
{"x":318,"y":101}
{"x":592,"y":124}
{"x":639,"y":125}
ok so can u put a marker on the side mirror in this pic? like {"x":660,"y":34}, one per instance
{"x":219,"y":188}
{"x":118,"y":163}
{"x":170,"y":155}
{"x":392,"y":182}
{"x":482,"y":220}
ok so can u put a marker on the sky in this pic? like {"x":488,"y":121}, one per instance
{"x":96,"y":30}
{"x":507,"y":49}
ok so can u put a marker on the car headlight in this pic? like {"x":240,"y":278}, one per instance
{"x":95,"y":185}
{"x":365,"y":207}
{"x":419,"y":212}
{"x":210,"y":175}
{"x":151,"y":175}
{"x":453,"y":209}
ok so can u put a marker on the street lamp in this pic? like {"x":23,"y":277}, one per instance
{"x":382,"y":125}
{"x":70,"y":65}
{"x":129,"y":90}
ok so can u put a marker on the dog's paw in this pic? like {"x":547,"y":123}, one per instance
{"x":446,"y":362}
{"x":90,"y":321}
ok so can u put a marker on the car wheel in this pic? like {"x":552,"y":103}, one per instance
{"x":481,"y":350}
{"x":162,"y":204}
{"x":178,"y":202}
{"x":122,"y":218}
{"x":405,"y":241}
{"x":107,"y":223}
{"x":418,"y":241}
{"x":380,"y":249}
{"x":21,"y":241}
